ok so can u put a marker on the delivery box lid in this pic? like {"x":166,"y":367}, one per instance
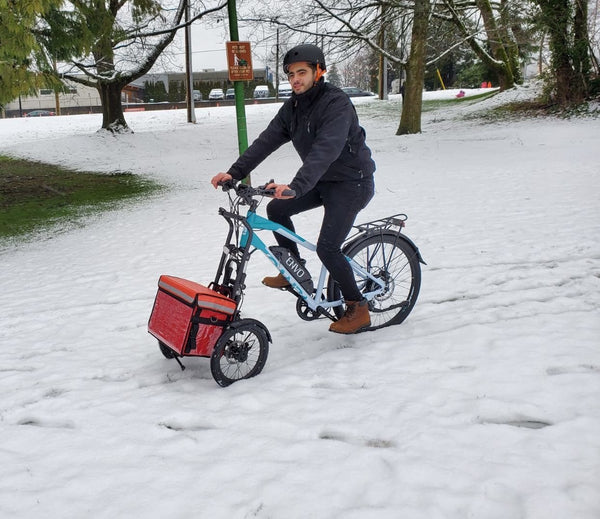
{"x":195,"y":293}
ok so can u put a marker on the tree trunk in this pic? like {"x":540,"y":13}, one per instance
{"x":511,"y":31}
{"x":497,"y":45}
{"x":109,"y":86}
{"x":410,"y":120}
{"x":112,"y":108}
{"x":556,"y":18}
{"x":570,"y":60}
{"x":581,"y":62}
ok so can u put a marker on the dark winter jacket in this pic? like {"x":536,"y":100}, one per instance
{"x":323,"y":126}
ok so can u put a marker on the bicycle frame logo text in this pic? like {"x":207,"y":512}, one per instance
{"x":295,"y":267}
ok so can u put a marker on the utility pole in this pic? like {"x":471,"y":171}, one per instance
{"x":56,"y":93}
{"x":189,"y":73}
{"x":383,"y":93}
{"x":240,"y":109}
{"x":277,"y":67}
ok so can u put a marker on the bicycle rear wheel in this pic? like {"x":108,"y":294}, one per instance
{"x":392,"y":259}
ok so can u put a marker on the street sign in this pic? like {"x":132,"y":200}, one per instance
{"x":239,"y":61}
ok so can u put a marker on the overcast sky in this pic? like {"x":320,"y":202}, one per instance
{"x":208,"y":48}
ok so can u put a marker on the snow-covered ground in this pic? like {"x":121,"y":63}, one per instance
{"x":484,"y":403}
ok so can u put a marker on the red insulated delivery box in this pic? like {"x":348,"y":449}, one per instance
{"x":189,"y":317}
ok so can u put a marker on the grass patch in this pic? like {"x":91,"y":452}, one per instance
{"x":435,"y":104}
{"x":542,"y":108}
{"x":392,"y":108}
{"x":35,"y":196}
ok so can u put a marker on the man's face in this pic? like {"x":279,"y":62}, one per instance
{"x":301,"y":77}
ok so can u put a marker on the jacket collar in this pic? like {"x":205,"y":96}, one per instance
{"x":310,"y":95}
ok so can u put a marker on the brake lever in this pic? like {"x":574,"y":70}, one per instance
{"x":270,"y":192}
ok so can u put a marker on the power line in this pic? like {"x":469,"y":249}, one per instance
{"x":199,"y":51}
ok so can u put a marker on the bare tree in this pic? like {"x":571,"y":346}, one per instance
{"x":349,"y":27}
{"x":489,"y":29}
{"x":348,"y":31}
{"x":344,"y":29}
{"x":126,"y":37}
{"x":353,"y":71}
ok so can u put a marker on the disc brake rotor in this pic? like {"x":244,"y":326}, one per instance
{"x":389,"y":285}
{"x":237,"y":351}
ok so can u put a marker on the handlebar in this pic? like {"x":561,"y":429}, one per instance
{"x":247,"y":192}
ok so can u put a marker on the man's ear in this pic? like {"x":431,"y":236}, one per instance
{"x":320,"y":73}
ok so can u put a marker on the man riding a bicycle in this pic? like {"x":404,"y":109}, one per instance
{"x":336,"y":172}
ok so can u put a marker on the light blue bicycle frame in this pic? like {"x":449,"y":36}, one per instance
{"x":259,"y":223}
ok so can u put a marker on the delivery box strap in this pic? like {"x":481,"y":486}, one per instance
{"x":209,"y":320}
{"x":196,"y":322}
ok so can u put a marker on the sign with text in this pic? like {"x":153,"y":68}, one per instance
{"x":239,"y":61}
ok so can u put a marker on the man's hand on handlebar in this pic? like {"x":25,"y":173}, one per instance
{"x":221,"y":178}
{"x":282,"y":191}
{"x":270,"y":189}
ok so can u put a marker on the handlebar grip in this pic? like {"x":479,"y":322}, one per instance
{"x":226,"y":185}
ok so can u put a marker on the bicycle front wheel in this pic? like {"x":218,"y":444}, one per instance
{"x":241,"y":352}
{"x":392,"y":260}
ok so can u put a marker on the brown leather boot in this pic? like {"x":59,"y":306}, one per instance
{"x":355,"y":318}
{"x":277,"y":281}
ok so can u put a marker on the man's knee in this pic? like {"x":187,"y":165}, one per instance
{"x":275,"y":210}
{"x":326,"y":251}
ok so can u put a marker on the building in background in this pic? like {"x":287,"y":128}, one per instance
{"x":78,"y":98}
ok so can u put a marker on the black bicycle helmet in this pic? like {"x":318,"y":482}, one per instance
{"x":306,"y":52}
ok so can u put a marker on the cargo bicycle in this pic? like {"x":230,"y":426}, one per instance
{"x":386,"y":265}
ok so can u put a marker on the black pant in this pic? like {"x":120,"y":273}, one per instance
{"x":341,"y":202}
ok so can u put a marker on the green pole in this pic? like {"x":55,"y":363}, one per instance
{"x":240,"y":109}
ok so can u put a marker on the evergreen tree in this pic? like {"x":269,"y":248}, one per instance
{"x":333,"y":76}
{"x":23,"y":66}
{"x":566,"y":23}
{"x":154,"y":91}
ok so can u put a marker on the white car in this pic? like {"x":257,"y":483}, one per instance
{"x":261,"y":91}
{"x":216,"y":93}
{"x":285,"y":89}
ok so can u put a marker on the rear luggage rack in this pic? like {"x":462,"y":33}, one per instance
{"x":384,"y":224}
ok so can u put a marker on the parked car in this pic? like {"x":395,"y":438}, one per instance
{"x":39,"y":113}
{"x":285,"y":89}
{"x":197,"y":95}
{"x":356,"y":92}
{"x":216,"y":93}
{"x":261,"y":91}
{"x":230,"y":94}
